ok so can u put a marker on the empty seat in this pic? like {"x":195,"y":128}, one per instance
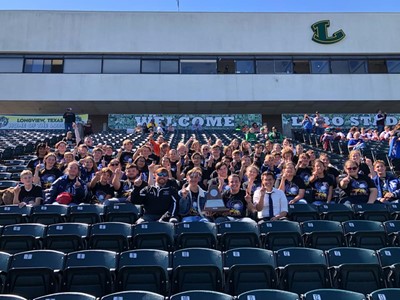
{"x":196,"y":234}
{"x":90,"y":271}
{"x":13,"y":214}
{"x":34,"y":273}
{"x":197,"y":268}
{"x":121,"y":212}
{"x":373,"y":212}
{"x":154,"y":235}
{"x":5,"y":184}
{"x":365,"y":234}
{"x":11,"y":297}
{"x":394,"y":210}
{"x":323,"y":234}
{"x":392,"y":229}
{"x":302,"y":269}
{"x":201,"y":295}
{"x":390,"y":262}
{"x":133,"y":295}
{"x":335,"y":212}
{"x":22,"y":237}
{"x":16,"y":168}
{"x":238,"y":234}
{"x":49,"y":214}
{"x":66,"y":237}
{"x":277,"y":235}
{"x":114,"y":236}
{"x":5,"y":259}
{"x":355,"y":269}
{"x":5,"y":176}
{"x":385,"y":294}
{"x":67,"y":296}
{"x":249,"y":269}
{"x":333,"y":294}
{"x":145,"y":270}
{"x":302,"y":212}
{"x":87,"y":213}
{"x":268,"y":294}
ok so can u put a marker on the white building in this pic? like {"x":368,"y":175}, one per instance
{"x":145,"y":62}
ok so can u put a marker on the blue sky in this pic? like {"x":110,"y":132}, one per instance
{"x":208,"y":5}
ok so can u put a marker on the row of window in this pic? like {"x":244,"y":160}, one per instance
{"x":198,"y":66}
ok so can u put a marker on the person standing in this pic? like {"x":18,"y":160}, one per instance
{"x":319,"y":123}
{"x":380,"y":119}
{"x":69,"y":118}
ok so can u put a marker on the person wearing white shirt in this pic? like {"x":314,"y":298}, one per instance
{"x":270,"y":203}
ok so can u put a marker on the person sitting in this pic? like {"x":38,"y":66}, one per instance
{"x":293,"y":186}
{"x":388,"y":185}
{"x":100,"y":187}
{"x":70,"y":184}
{"x":27,"y":193}
{"x":321,"y":184}
{"x":47,"y":173}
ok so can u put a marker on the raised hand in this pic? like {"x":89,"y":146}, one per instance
{"x":77,"y":183}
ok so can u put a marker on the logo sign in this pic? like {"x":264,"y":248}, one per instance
{"x":35,"y":122}
{"x":322,"y":36}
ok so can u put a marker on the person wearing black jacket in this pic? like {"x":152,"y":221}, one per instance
{"x":160,"y":201}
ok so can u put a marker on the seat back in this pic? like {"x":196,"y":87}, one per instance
{"x":302,"y":269}
{"x":323,"y":234}
{"x":121,"y":212}
{"x":238,"y":234}
{"x":365,"y":234}
{"x":196,"y":234}
{"x":302,"y":212}
{"x":390,"y":261}
{"x":268,"y":294}
{"x":145,"y":270}
{"x":154,"y":235}
{"x":49,"y":214}
{"x":335,"y":212}
{"x":333,"y":294}
{"x":13,"y":214}
{"x":66,"y":237}
{"x":355,"y":269}
{"x":249,"y":269}
{"x":67,"y":296}
{"x":385,"y":294}
{"x":197,"y":268}
{"x":277,"y":235}
{"x":392,"y":229}
{"x":372,"y":212}
{"x":34,"y":273}
{"x":145,"y":295}
{"x":87,"y":213}
{"x":22,"y":237}
{"x":113,"y":236}
{"x":90,"y":271}
{"x":200,"y":295}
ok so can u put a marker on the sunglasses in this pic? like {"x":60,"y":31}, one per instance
{"x":162,"y":174}
{"x":352,"y":168}
{"x":194,"y":175}
{"x":114,"y":165}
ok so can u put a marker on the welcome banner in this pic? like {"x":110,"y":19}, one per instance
{"x":36,"y":121}
{"x":125,"y":121}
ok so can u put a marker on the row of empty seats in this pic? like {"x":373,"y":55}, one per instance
{"x":297,"y":270}
{"x":275,"y":235}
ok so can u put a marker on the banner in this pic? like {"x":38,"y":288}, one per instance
{"x":292,"y":121}
{"x":36,"y":121}
{"x":125,"y":121}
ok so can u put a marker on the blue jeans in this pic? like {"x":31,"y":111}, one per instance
{"x":194,"y":219}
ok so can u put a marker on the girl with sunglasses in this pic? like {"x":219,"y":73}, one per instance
{"x":356,"y":187}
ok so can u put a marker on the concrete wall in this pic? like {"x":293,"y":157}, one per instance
{"x":203,"y":33}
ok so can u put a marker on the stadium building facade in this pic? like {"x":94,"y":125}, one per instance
{"x":170,"y":62}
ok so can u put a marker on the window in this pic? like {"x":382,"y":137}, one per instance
{"x":160,"y":66}
{"x":226,"y":66}
{"x":121,"y":66}
{"x":11,"y":65}
{"x":244,"y":67}
{"x":393,"y":66}
{"x":358,"y":66}
{"x":320,"y":67}
{"x":376,"y":66}
{"x":198,"y":66}
{"x":283,"y":66}
{"x":301,"y":66}
{"x":265,"y":66}
{"x":340,"y":67}
{"x":82,"y":66}
{"x":43,"y":66}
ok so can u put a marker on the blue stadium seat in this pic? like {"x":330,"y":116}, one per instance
{"x":302,"y":212}
{"x":201,"y":295}
{"x":333,"y":294}
{"x":385,"y":294}
{"x":238,"y":234}
{"x":133,"y":295}
{"x":323,"y":234}
{"x":145,"y":270}
{"x":390,"y":262}
{"x":197,"y":268}
{"x":302,"y":269}
{"x":196,"y":234}
{"x":67,"y":296}
{"x":249,"y":269}
{"x":392,"y":229}
{"x":66,"y":237}
{"x":121,"y":212}
{"x":335,"y":212}
{"x":268,"y":294}
{"x":154,"y":235}
{"x":113,"y":236}
{"x":22,"y":237}
{"x":11,"y":297}
{"x":365,"y":234}
{"x":49,"y":214}
{"x":355,"y":269}
{"x":13,"y":214}
{"x":373,"y":212}
{"x":86,"y":213}
{"x":277,"y":235}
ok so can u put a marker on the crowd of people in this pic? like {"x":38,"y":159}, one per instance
{"x":255,"y":178}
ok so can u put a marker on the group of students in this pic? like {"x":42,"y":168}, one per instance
{"x":255,"y":181}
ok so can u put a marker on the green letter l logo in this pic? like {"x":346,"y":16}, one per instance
{"x":321,"y":35}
